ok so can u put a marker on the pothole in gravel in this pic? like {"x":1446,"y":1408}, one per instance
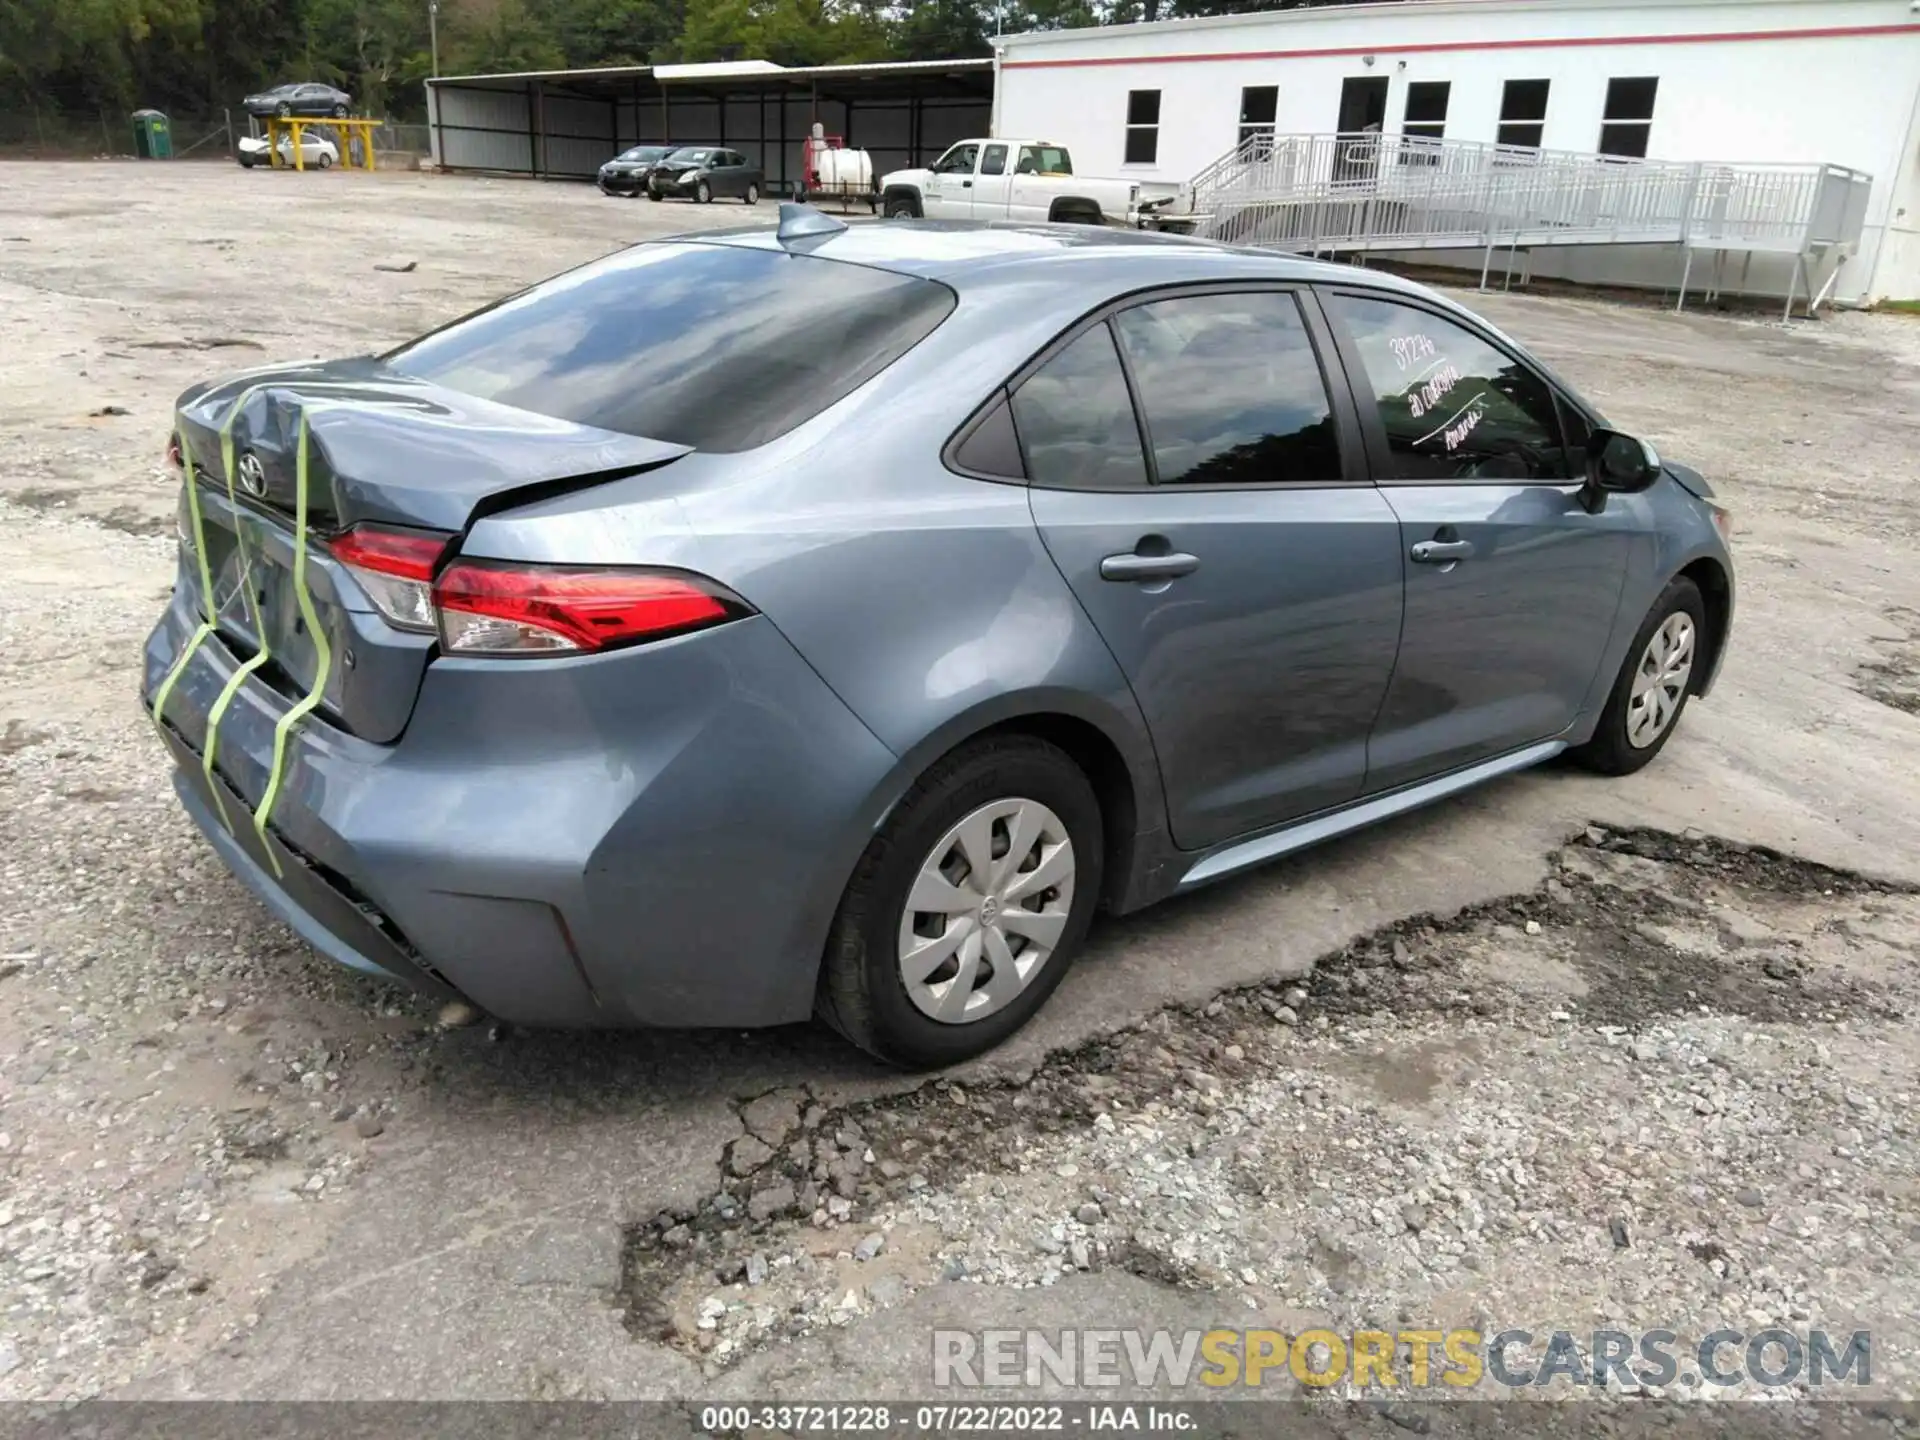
{"x":1203,"y":1147}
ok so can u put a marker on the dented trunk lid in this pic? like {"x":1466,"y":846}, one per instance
{"x":382,"y":448}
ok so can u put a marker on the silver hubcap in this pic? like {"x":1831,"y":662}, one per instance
{"x":1660,"y":682}
{"x":986,"y":911}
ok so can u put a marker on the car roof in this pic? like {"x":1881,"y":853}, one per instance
{"x":969,"y":254}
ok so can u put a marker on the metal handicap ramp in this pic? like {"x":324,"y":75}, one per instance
{"x":1359,"y":193}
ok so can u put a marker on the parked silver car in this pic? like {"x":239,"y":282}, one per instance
{"x":310,"y":99}
{"x":828,"y":620}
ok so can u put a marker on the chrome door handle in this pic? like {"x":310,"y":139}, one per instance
{"x":1148,"y":567}
{"x":1442,"y":552}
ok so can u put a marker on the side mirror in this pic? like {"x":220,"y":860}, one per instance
{"x":1617,"y":464}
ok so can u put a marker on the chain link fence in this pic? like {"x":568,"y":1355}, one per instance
{"x":66,"y":136}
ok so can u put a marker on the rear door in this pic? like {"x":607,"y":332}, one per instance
{"x":1038,"y":172}
{"x":991,"y":184}
{"x":1223,"y":537}
{"x":1512,"y":587}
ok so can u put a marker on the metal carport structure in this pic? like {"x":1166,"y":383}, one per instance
{"x":562,"y":124}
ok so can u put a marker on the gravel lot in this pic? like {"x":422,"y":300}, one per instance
{"x":1559,"y":1054}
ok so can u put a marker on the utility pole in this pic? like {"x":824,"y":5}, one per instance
{"x":433,"y":33}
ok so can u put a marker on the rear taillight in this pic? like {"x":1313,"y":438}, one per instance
{"x":488,"y":608}
{"x":395,"y":568}
{"x":491,"y":607}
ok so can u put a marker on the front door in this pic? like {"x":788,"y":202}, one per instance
{"x":1238,"y":565}
{"x":992,"y":184}
{"x":948,"y":194}
{"x":1259,"y":104}
{"x":1363,"y":116}
{"x":1512,"y":587}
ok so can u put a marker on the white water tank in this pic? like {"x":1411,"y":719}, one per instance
{"x":832,"y":169}
{"x":842,"y":171}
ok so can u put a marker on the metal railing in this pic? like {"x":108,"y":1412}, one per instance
{"x":1394,"y":192}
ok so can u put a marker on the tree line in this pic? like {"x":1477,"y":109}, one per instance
{"x":197,"y":57}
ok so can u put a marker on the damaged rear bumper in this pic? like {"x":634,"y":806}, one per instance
{"x":648,"y":837}
{"x":320,"y":909}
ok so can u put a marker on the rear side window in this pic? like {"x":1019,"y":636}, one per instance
{"x":1231,"y":390}
{"x":719,"y":347}
{"x":1044,"y":160}
{"x":1076,"y":420}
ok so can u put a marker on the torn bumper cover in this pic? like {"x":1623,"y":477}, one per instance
{"x":320,"y":909}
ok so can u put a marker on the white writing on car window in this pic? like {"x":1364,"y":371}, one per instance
{"x":1459,"y":425}
{"x":1409,"y":349}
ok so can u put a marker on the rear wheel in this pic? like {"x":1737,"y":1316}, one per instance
{"x":901,"y":208}
{"x":752,"y":196}
{"x":968,"y":907}
{"x":283,"y":110}
{"x":1651,"y":690}
{"x":324,"y":161}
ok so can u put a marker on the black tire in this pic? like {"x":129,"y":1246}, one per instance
{"x":652,"y":194}
{"x":283,"y":110}
{"x":900,"y":207}
{"x":1610,"y":752}
{"x":339,"y":112}
{"x":861,"y":993}
{"x":324,"y":160}
{"x":704,"y":195}
{"x":752,"y":197}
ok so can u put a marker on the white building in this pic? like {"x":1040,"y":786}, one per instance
{"x":1833,"y":81}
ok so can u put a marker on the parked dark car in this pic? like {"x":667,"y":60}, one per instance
{"x":626,"y":173}
{"x":706,"y":172}
{"x":829,"y":620}
{"x":285,"y":100}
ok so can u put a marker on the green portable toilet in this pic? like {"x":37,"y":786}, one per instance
{"x":152,"y":140}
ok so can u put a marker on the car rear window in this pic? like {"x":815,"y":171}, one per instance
{"x":720,"y":347}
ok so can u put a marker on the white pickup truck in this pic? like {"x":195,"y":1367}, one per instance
{"x":1009,"y":180}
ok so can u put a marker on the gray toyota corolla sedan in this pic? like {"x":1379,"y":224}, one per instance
{"x":826,"y":620}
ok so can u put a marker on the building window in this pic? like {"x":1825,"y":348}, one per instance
{"x":1258,"y":106}
{"x":1523,"y":113}
{"x":1629,"y":117}
{"x":1427,"y":109}
{"x":1143,"y":126}
{"x":1425,"y":122}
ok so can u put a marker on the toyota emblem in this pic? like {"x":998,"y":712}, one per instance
{"x":253,"y":475}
